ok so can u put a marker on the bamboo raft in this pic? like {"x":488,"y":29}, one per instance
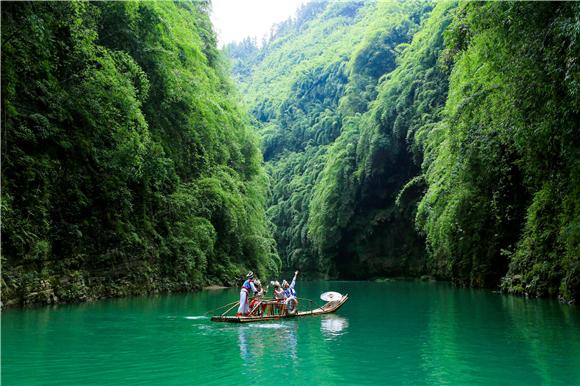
{"x":327,"y":308}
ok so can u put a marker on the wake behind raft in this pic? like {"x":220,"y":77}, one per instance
{"x":274,"y":310}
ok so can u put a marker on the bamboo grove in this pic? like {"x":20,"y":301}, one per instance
{"x":359,"y":140}
{"x":408,"y":139}
{"x":127,"y":164}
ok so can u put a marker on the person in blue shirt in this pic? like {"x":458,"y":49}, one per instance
{"x":290,"y":294}
{"x":247,"y":288}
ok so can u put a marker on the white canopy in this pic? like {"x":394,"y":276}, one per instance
{"x":331,"y":296}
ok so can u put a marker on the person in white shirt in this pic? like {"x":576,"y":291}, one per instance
{"x":290,"y":301}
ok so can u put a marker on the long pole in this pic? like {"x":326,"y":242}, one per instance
{"x":219,"y":308}
{"x":229,"y":309}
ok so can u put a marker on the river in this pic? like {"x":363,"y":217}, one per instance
{"x":397,"y":332}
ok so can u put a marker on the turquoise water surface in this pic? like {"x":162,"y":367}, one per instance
{"x":397,"y":332}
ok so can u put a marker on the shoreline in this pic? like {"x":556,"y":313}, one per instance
{"x":12,"y":304}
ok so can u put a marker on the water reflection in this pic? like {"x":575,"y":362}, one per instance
{"x":394,"y":333}
{"x":245,"y":351}
{"x":442,"y":356}
{"x":541,"y":327}
{"x":474,"y":337}
{"x":260,"y":340}
{"x":333,"y":326}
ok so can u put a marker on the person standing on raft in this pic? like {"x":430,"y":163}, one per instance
{"x":247,"y":288}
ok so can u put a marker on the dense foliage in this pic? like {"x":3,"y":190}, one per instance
{"x":127,"y":165}
{"x":321,"y":73}
{"x":411,"y":139}
{"x":503,"y":168}
{"x":401,"y":138}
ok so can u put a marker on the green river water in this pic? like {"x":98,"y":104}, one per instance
{"x":388,"y":333}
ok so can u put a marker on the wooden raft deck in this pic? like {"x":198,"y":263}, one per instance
{"x":328,"y":308}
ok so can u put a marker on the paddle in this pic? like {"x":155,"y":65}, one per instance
{"x":229,"y":309}
{"x":219,"y":308}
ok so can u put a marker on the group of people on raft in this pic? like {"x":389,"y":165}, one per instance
{"x":284,"y":297}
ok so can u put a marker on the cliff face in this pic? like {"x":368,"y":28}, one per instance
{"x":399,"y":138}
{"x":127,"y":165}
{"x":311,"y":88}
{"x":411,"y":138}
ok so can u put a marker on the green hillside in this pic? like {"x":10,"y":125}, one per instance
{"x":127,"y":165}
{"x":415,"y":138}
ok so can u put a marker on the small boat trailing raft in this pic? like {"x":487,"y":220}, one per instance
{"x":270,"y":310}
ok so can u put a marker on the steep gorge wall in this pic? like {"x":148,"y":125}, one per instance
{"x":409,"y":139}
{"x":127,"y":164}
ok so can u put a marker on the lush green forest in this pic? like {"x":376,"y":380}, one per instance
{"x":399,"y":138}
{"x":127,"y":163}
{"x":423,"y":139}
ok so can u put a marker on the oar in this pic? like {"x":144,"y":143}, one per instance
{"x":227,"y":305}
{"x":233,"y":304}
{"x":219,"y":308}
{"x":232,"y":307}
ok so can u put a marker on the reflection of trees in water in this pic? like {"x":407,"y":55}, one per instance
{"x":476,"y":337}
{"x":441,"y":356}
{"x":541,"y":326}
{"x":333,"y":326}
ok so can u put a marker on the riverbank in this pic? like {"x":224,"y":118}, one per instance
{"x":37,"y":290}
{"x":75,"y":289}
